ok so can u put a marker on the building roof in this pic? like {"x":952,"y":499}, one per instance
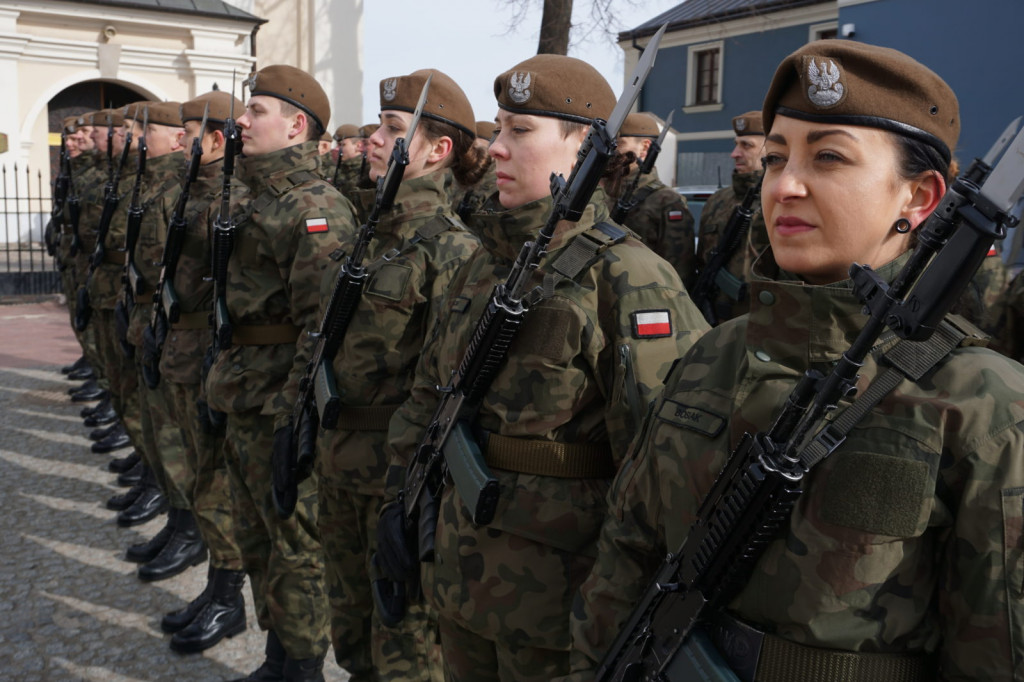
{"x":692,"y":13}
{"x":206,"y":8}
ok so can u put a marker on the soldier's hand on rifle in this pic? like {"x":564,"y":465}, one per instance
{"x":396,"y":557}
{"x":285,"y":482}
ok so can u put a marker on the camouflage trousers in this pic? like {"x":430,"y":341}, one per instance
{"x":362,"y":644}
{"x":163,"y":441}
{"x":121,"y":375}
{"x":210,"y":495}
{"x":468,"y":657}
{"x":282,"y":558}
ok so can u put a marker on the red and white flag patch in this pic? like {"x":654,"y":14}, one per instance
{"x":316,"y":225}
{"x":652,"y":324}
{"x":992,"y":251}
{"x":675,"y":215}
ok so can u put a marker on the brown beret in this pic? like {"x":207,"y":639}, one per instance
{"x":446,"y":102}
{"x":851,"y":83}
{"x":369,"y":129}
{"x":640,"y":125}
{"x":555,"y":85}
{"x":346,"y":131}
{"x":485,"y":129}
{"x":105,"y":117}
{"x":166,"y":114}
{"x":135,"y":111}
{"x":70,"y":123}
{"x":294,"y":86}
{"x":748,"y":124}
{"x":220,"y":107}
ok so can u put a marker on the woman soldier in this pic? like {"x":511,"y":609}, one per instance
{"x":903,"y":555}
{"x":563,"y":406}
{"x":416,"y":247}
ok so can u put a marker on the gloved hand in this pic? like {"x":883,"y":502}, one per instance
{"x":305,"y":445}
{"x":152,"y":343}
{"x":121,"y":321}
{"x":284,"y":483}
{"x":83,"y":309}
{"x":396,"y":556}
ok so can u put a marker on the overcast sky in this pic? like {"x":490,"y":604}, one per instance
{"x":473,"y":41}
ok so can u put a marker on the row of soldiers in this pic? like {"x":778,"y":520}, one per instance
{"x":201,"y":244}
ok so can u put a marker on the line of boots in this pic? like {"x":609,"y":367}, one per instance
{"x":218,"y":612}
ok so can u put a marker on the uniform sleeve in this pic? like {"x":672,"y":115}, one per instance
{"x":677,"y":226}
{"x":302,"y":260}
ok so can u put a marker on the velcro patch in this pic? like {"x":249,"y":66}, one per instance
{"x":316,"y":225}
{"x":651,"y":324}
{"x":675,"y":215}
{"x":693,"y":418}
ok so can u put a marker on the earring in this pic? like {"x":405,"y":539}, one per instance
{"x":902,"y":226}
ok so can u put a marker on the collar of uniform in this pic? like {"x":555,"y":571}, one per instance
{"x":166,"y":163}
{"x":797,"y":324}
{"x":266,"y":171}
{"x":426,"y":193}
{"x":503,"y":233}
{"x":741,"y":182}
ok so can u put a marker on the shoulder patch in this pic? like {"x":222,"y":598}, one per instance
{"x":316,"y":225}
{"x":692,"y":418}
{"x":651,"y":324}
{"x":675,"y":215}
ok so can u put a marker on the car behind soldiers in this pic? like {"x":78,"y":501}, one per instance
{"x":286,"y":230}
{"x":732,"y":301}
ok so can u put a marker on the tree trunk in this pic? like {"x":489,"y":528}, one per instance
{"x":554,"y":27}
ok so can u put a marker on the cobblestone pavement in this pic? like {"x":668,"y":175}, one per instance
{"x":70,"y":607}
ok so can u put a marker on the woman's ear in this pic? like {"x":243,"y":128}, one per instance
{"x":925,"y":194}
{"x":440,"y":149}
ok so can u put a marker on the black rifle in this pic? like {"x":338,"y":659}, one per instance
{"x":448,"y":447}
{"x":224,"y":236}
{"x":131,"y":278}
{"x":337,"y":169}
{"x":60,"y":193}
{"x":318,"y":403}
{"x":74,"y":206}
{"x":111,"y":199}
{"x":753,"y":496}
{"x":714,"y":276}
{"x":166,"y":309}
{"x":626,"y":203}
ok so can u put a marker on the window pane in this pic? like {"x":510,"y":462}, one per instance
{"x":706,"y":74}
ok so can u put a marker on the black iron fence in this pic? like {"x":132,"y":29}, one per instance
{"x":25,"y":267}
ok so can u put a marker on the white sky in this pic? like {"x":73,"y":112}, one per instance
{"x":472,"y":41}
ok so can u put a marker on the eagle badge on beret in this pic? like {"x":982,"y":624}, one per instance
{"x":519,"y":87}
{"x":824,"y":90}
{"x":741,"y":124}
{"x":251,"y":81}
{"x":390,"y":89}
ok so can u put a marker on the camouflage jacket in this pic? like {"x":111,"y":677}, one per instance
{"x":90,"y":196}
{"x":579,"y":372}
{"x":1005,"y":320}
{"x":467,"y":201}
{"x":909,"y":538}
{"x":416,"y":249}
{"x":713,"y":219}
{"x":983,"y":291}
{"x":664,"y":222}
{"x":182,"y":357}
{"x":85,"y":171}
{"x":281,"y":247}
{"x":105,"y":285}
{"x":162,"y":184}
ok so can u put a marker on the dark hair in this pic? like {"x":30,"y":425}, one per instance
{"x":313,"y":127}
{"x":572,"y":127}
{"x":915,"y":157}
{"x":617,"y":172}
{"x":467,"y":161}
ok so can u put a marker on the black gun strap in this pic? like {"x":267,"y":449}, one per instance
{"x":581,"y":253}
{"x":906,"y":360}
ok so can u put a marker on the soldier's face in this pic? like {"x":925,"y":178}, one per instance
{"x":746,"y":154}
{"x":526,"y":151}
{"x":637,"y":145}
{"x":84,"y":137}
{"x":264,"y":128}
{"x":393,"y":125}
{"x":71,"y":145}
{"x":99,"y":138}
{"x":161,"y":139}
{"x":211,"y":144}
{"x":350,"y":148}
{"x":831,"y":194}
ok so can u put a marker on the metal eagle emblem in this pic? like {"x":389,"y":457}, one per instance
{"x":390,"y":88}
{"x":825,"y":89}
{"x":519,"y":87}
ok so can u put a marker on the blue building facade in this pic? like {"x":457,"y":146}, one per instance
{"x":977,"y":49}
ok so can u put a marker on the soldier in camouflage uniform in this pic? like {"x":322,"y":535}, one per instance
{"x":288,"y":227}
{"x":559,"y":415}
{"x":346,"y":168}
{"x":904,"y":551}
{"x":659,"y":214}
{"x":219,"y":611}
{"x":472,"y":199}
{"x":416,"y":248}
{"x":1005,"y":320}
{"x":734,"y":301}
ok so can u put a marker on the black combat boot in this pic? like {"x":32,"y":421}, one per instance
{"x":148,"y":504}
{"x":116,"y":440}
{"x":223,"y":616}
{"x":83,"y":373}
{"x":124,"y":500}
{"x":145,"y":552}
{"x":272,"y":669}
{"x":304,"y":669}
{"x":178,"y":620}
{"x":103,"y":415}
{"x":183,"y":550}
{"x":93,"y":409}
{"x":119,"y":465}
{"x":87,"y":392}
{"x":132,"y":477}
{"x":104,"y":431}
{"x":77,"y":364}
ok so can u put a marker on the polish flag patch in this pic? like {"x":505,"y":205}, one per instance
{"x":316,"y":225}
{"x":675,"y":215}
{"x":992,"y":251}
{"x":651,"y":324}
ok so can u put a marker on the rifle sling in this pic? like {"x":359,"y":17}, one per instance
{"x":581,"y":253}
{"x":548,"y":458}
{"x":368,"y":418}
{"x":264,"y":334}
{"x":197,"y":320}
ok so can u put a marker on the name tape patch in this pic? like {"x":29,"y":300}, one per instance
{"x":316,"y":225}
{"x":651,"y":324}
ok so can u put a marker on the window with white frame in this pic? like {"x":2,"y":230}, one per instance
{"x":704,"y":77}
